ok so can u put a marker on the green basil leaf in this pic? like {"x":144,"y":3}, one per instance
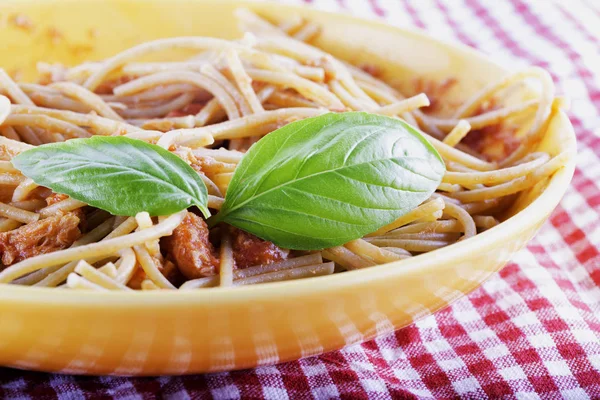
{"x":120,"y":175}
{"x":324,"y":181}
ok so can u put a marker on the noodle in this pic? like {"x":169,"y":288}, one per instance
{"x":29,"y":205}
{"x":158,"y":110}
{"x":75,"y":281}
{"x":463,"y":217}
{"x":100,"y":125}
{"x":515,"y":185}
{"x":487,"y":118}
{"x":144,"y":222}
{"x":244,"y":82}
{"x":49,"y":123}
{"x":380,"y":256}
{"x":127,"y":266}
{"x":288,"y":274}
{"x":4,"y":108}
{"x":215,"y":202}
{"x":90,"y":99}
{"x":457,"y":133}
{"x":149,"y":285}
{"x":497,"y":176}
{"x":257,"y":124}
{"x":346,"y":98}
{"x":8,"y":224}
{"x":13,"y":90}
{"x":309,"y":89}
{"x":404,"y":106}
{"x":109,"y":269}
{"x":229,"y":87}
{"x":346,"y":258}
{"x":193,"y":78}
{"x":416,"y":245}
{"x":226,"y":265}
{"x":95,"y":276}
{"x":284,"y":99}
{"x":149,"y":266}
{"x":307,"y":32}
{"x":94,"y":80}
{"x":278,"y":266}
{"x":419,"y":212}
{"x":26,"y":217}
{"x":61,"y":206}
{"x":9,"y":132}
{"x":268,"y":273}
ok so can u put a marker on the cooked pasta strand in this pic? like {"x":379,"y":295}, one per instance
{"x":149,"y":266}
{"x":419,"y":212}
{"x":127,"y":266}
{"x":457,"y":133}
{"x":496,"y":176}
{"x":307,"y":88}
{"x":159,"y":110}
{"x":4,"y":108}
{"x":29,"y":205}
{"x":90,"y":99}
{"x":109,"y":269}
{"x":46,"y":122}
{"x":257,"y":124}
{"x":13,"y":90}
{"x":75,"y":281}
{"x":243,"y":81}
{"x":226,"y":264}
{"x":404,"y":106}
{"x":93,"y":275}
{"x":62,"y":206}
{"x":347,"y":259}
{"x":9,"y":132}
{"x":380,"y":256}
{"x":515,"y":185}
{"x":26,"y":217}
{"x":98,"y":125}
{"x":306,"y":271}
{"x":7,"y":224}
{"x":463,"y":217}
{"x":200,"y":80}
{"x":147,"y":284}
{"x":419,"y":246}
{"x":312,"y":259}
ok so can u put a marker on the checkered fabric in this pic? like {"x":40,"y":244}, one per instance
{"x":530,"y":332}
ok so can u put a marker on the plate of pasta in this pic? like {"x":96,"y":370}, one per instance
{"x":270,"y":183}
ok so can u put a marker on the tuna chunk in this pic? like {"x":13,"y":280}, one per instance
{"x":248,"y":250}
{"x":190,"y":248}
{"x":44,"y":236}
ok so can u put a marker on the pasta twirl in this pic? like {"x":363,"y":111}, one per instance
{"x":209,"y":110}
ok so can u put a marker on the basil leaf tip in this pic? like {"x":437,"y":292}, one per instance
{"x":323,"y":181}
{"x":121,"y":175}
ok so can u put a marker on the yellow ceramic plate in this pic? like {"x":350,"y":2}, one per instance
{"x":211,"y":330}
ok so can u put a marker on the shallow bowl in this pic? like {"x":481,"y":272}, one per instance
{"x":164,"y":332}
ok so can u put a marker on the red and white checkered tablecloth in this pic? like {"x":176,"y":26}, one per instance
{"x":531,"y":332}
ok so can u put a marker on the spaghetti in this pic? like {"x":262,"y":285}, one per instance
{"x":209,"y":110}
